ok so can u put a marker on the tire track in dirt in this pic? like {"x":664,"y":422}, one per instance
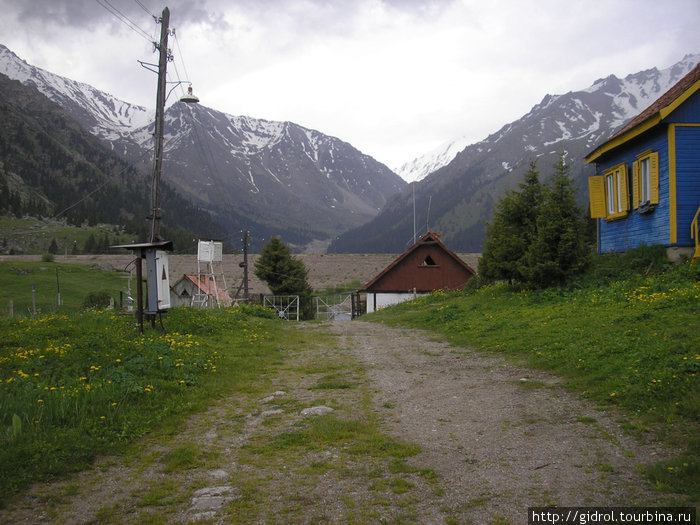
{"x":501,"y":437}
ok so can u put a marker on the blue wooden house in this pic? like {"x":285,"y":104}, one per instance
{"x":647,"y":184}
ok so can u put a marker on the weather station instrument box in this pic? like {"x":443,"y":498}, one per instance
{"x":210,"y":251}
{"x":157,"y":281}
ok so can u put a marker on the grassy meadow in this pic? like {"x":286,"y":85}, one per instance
{"x":75,"y":384}
{"x":73,"y":281}
{"x":78,"y":385}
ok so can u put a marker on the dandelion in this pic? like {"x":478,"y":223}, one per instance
{"x":613,"y":394}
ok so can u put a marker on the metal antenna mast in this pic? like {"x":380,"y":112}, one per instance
{"x":160,"y":113}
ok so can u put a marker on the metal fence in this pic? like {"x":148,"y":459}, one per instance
{"x":334,"y":307}
{"x":286,"y":306}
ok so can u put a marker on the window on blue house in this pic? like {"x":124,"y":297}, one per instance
{"x":616,"y":193}
{"x":609,"y":194}
{"x":645,"y":181}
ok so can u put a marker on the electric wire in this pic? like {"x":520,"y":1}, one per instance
{"x":107,"y":5}
{"x":87,"y":195}
{"x":179,"y":52}
{"x":145,"y":8}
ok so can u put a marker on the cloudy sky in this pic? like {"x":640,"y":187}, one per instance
{"x":395,"y":78}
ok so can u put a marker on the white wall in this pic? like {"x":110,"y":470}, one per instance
{"x":377,"y":301}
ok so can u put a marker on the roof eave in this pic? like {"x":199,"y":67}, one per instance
{"x":653,"y":120}
{"x":610,"y":145}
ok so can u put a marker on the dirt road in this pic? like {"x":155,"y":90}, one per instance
{"x":463,"y":437}
{"x":503,"y":438}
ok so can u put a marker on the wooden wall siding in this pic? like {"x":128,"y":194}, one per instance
{"x":635,"y":229}
{"x":687,"y":179}
{"x":688,"y":112}
{"x":410,"y":273}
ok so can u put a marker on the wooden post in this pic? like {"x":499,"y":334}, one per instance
{"x":139,"y":293}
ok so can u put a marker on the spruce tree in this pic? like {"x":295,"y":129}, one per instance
{"x":559,"y":248}
{"x":512,"y":230}
{"x":284,"y":274}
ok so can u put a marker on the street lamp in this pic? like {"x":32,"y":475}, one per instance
{"x":155,"y":251}
{"x":160,"y":117}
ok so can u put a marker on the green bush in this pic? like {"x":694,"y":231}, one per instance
{"x":97,"y":300}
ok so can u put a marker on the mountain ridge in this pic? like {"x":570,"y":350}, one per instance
{"x":458,"y":197}
{"x":272,"y":178}
{"x":631,"y":95}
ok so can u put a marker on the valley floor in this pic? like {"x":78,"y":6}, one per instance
{"x":361,"y":423}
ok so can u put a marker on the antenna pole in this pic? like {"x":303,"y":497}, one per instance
{"x":414,"y":212}
{"x":245,"y":264}
{"x":427,"y":219}
{"x":160,"y":111}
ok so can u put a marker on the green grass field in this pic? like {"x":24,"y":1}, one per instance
{"x":47,"y":279}
{"x":75,"y":384}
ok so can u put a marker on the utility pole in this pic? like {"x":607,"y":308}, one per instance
{"x":245,"y":264}
{"x":160,"y":117}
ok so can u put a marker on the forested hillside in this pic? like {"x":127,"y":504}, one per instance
{"x":51,"y":167}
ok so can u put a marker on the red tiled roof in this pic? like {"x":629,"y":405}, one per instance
{"x":206,"y":285}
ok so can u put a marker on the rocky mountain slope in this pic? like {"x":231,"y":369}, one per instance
{"x":273,"y":178}
{"x":458,"y":197}
{"x":51,"y":167}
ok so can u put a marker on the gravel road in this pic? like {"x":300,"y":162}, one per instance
{"x":494,"y":439}
{"x":503,"y":438}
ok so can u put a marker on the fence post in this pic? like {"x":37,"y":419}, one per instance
{"x":33,"y":301}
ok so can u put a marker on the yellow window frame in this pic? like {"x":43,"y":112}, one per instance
{"x":652,"y":157}
{"x":616,"y":192}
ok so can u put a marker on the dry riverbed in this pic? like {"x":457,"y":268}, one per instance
{"x":360,"y":423}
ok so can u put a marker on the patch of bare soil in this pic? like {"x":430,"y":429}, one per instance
{"x":492,"y":439}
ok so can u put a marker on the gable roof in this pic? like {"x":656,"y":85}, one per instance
{"x":653,"y":115}
{"x":206,"y":286}
{"x":429,"y":239}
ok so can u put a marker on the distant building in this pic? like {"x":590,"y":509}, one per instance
{"x":426,"y":266}
{"x":198,"y":290}
{"x":647,"y":184}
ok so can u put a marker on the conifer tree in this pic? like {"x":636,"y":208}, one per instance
{"x":559,"y":248}
{"x":512,"y":230}
{"x":284,"y":274}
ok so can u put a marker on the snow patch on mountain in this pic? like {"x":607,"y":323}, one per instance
{"x":627,"y":97}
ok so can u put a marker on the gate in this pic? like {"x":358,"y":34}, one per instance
{"x":334,"y":307}
{"x":286,"y":306}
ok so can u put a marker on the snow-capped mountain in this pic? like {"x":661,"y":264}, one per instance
{"x":458,"y":198}
{"x":269,"y":177}
{"x":98,"y":112}
{"x":622,"y":99}
{"x":422,"y":166}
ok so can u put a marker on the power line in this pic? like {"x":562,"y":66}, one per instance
{"x":145,"y":8}
{"x":101,"y":185}
{"x":179,"y":52}
{"x":107,"y":5}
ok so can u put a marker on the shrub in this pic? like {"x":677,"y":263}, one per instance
{"x":97,"y":300}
